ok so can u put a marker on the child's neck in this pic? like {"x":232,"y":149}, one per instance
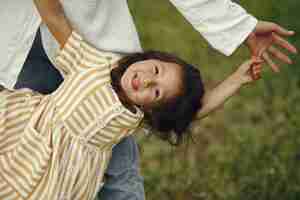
{"x":125,"y":103}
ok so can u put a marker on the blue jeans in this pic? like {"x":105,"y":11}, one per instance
{"x":122,"y":178}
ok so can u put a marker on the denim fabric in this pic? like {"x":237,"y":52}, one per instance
{"x":38,"y":73}
{"x":122,"y":179}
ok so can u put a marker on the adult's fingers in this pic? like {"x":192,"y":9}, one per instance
{"x":270,"y":62}
{"x":279,"y":55}
{"x":281,"y":31}
{"x":284,"y":43}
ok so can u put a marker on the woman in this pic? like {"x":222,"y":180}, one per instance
{"x":51,"y":146}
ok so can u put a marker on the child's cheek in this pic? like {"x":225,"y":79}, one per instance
{"x":147,"y":99}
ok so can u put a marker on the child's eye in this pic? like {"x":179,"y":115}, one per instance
{"x":156,"y":70}
{"x":157,"y":94}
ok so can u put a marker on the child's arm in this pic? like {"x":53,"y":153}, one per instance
{"x":53,"y":15}
{"x":215,"y":98}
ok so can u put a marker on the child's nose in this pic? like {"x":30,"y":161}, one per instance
{"x":148,"y":82}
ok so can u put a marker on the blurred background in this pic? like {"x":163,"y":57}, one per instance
{"x":250,"y":149}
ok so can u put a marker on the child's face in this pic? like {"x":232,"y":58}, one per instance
{"x":149,"y":82}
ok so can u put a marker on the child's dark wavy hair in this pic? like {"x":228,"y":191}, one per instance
{"x":174,"y":116}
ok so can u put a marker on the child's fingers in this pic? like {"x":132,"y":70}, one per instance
{"x":255,"y":77}
{"x":256,"y":67}
{"x":249,"y":63}
{"x":251,"y":69}
{"x":256,"y":71}
{"x":256,"y":60}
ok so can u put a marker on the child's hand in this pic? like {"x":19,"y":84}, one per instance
{"x":249,"y":71}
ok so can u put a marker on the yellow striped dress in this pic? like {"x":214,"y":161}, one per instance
{"x":57,"y":147}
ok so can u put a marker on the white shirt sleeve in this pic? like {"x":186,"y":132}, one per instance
{"x":224,"y":24}
{"x":19,"y":22}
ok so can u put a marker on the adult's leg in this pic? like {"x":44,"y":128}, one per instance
{"x":38,"y":73}
{"x":123,"y":181}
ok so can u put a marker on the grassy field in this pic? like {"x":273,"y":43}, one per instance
{"x":248,"y":150}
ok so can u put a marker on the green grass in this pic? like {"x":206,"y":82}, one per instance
{"x":248,"y":150}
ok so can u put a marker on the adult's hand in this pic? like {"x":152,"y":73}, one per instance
{"x":263,"y":40}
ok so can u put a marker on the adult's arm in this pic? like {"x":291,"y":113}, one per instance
{"x":75,"y":53}
{"x":54,"y":17}
{"x":226,"y":25}
{"x":223,"y":23}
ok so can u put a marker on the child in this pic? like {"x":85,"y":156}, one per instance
{"x":58,"y":146}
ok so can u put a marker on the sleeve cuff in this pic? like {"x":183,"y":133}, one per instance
{"x":231,"y":44}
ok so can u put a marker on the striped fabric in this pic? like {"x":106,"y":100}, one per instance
{"x":58,"y":146}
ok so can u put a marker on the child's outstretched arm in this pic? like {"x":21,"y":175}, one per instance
{"x":53,"y":16}
{"x":215,"y":98}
